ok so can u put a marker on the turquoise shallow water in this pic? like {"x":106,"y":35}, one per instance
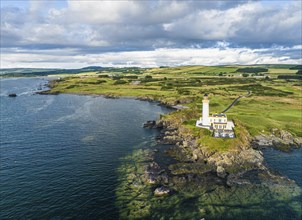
{"x":59,"y":154}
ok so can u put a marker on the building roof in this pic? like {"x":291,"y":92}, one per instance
{"x":219,"y":115}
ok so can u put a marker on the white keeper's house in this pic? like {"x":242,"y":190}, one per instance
{"x":218,"y":123}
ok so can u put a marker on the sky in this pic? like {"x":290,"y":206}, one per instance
{"x":79,"y":33}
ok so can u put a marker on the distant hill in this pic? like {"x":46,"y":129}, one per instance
{"x":95,"y":68}
{"x":24,"y":70}
{"x":275,"y":69}
{"x":19,"y":72}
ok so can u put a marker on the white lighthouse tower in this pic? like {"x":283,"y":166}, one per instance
{"x":205,"y":111}
{"x":218,"y":123}
{"x":205,"y":121}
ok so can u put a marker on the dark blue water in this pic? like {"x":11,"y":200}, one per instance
{"x":59,"y":154}
{"x":287,"y":164}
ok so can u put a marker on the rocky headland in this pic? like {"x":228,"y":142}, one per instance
{"x":196,"y":181}
{"x":232,"y":167}
{"x":279,"y":139}
{"x":194,"y":162}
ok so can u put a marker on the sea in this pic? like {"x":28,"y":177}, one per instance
{"x":59,"y":154}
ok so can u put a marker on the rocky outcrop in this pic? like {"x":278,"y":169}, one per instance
{"x":12,"y":95}
{"x":221,"y":172}
{"x":149,"y":124}
{"x":298,"y":141}
{"x":280,"y":139}
{"x":162,"y":191}
{"x":209,"y":179}
{"x":198,"y":159}
{"x":168,"y":135}
{"x":111,"y":97}
{"x":197,"y":166}
{"x":258,"y":177}
{"x":154,"y":174}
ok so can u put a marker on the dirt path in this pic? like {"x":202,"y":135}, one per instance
{"x":239,"y":97}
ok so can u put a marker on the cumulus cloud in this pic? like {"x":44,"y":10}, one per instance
{"x":158,"y":57}
{"x":94,"y":30}
{"x":246,"y":24}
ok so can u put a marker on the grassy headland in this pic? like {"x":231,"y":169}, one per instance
{"x":273,"y":103}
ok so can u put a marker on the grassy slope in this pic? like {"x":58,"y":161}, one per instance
{"x":273,"y":103}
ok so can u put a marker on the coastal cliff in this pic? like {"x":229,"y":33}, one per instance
{"x":196,"y":180}
{"x":193,"y":156}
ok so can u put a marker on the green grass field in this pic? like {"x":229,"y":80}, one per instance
{"x":273,"y":103}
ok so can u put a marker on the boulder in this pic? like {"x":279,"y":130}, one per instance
{"x":221,"y":172}
{"x":149,"y":124}
{"x":287,"y":137}
{"x":252,"y":157}
{"x":195,"y":156}
{"x":159,"y":124}
{"x":298,"y":141}
{"x":162,"y":191}
{"x":275,"y":131}
{"x":171,"y":139}
{"x":151,"y":180}
{"x":12,"y":95}
{"x":152,"y":172}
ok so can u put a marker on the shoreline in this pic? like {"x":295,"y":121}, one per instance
{"x":175,"y":107}
{"x":164,"y":174}
{"x":248,"y":154}
{"x":284,"y":141}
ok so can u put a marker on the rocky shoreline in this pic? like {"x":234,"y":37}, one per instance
{"x":195,"y":164}
{"x":193,"y":160}
{"x":279,"y":139}
{"x":178,"y":179}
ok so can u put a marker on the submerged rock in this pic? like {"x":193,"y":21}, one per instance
{"x":253,"y":192}
{"x":152,"y":173}
{"x":189,"y":168}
